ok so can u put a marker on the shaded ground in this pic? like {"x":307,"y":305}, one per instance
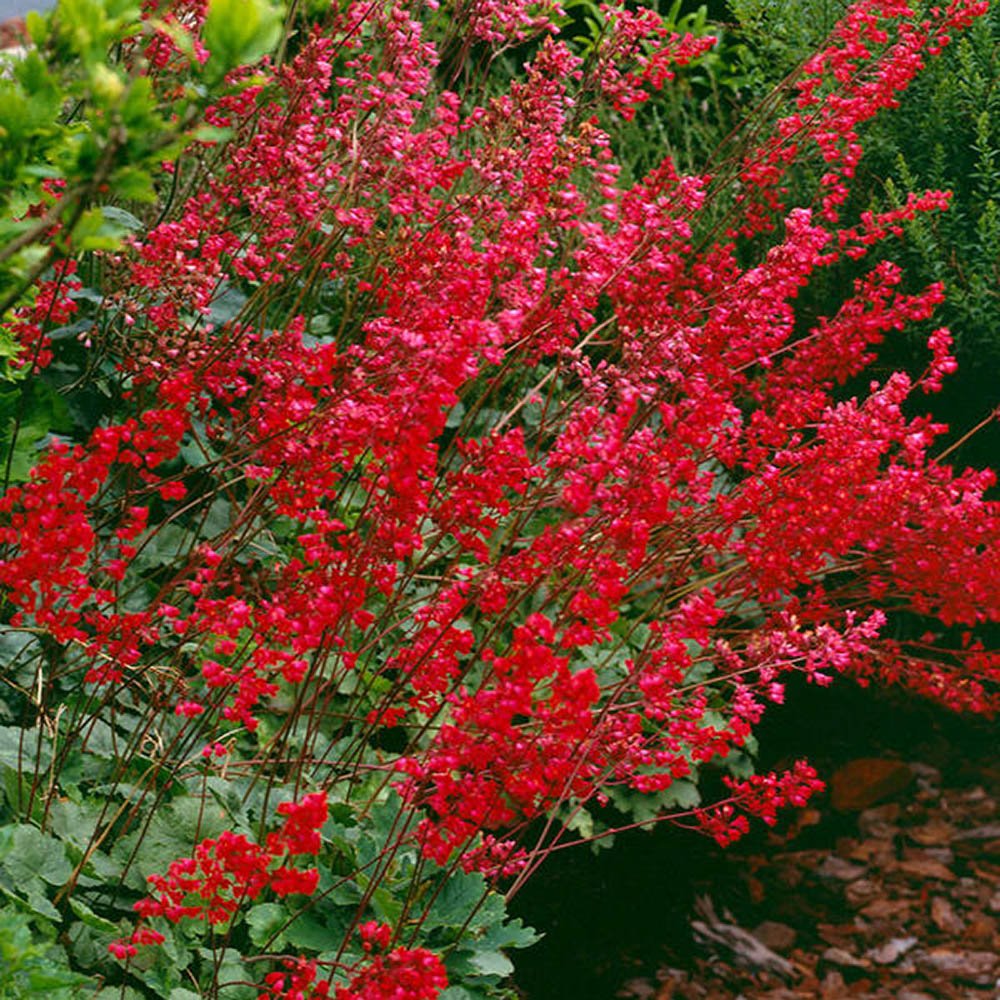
{"x":903,"y":906}
{"x":887,"y":888}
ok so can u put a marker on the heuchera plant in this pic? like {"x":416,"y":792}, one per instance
{"x":447,"y":491}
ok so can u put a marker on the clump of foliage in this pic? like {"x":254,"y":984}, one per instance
{"x":417,"y":495}
{"x":946,"y":133}
{"x":943,"y":134}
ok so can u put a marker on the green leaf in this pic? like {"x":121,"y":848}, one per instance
{"x":682,"y":795}
{"x":35,"y":855}
{"x":491,"y":963}
{"x":72,"y":330}
{"x":582,"y":821}
{"x":153,"y":852}
{"x":307,"y":932}
{"x":233,"y":976}
{"x":226,"y":304}
{"x":50,"y":977}
{"x":212,"y":133}
{"x":91,"y":919}
{"x":510,"y":934}
{"x":386,"y":907}
{"x":15,"y":937}
{"x":459,"y":896}
{"x":118,"y":993}
{"x":266,"y":921}
{"x":73,"y":822}
{"x":133,"y":184}
{"x":37,"y":25}
{"x":118,"y":216}
{"x":96,"y":230}
{"x":40,"y":904}
{"x":239,"y":32}
{"x":30,"y":412}
{"x":644,"y":807}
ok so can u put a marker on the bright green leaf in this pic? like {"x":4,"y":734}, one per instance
{"x":266,"y":921}
{"x":491,"y":963}
{"x":35,"y":855}
{"x":91,"y":919}
{"x":239,"y":32}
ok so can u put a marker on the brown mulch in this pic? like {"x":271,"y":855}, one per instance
{"x":895,"y":895}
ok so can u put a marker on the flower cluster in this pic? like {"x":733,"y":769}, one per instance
{"x":511,"y":481}
{"x":760,"y":797}
{"x":230,"y":870}
{"x":402,"y":973}
{"x":399,"y":973}
{"x":297,"y":982}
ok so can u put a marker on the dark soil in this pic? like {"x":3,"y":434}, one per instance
{"x":894,"y":900}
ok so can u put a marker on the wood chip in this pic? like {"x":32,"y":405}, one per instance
{"x":944,"y":916}
{"x":976,"y":967}
{"x":866,"y":782}
{"x":839,"y":869}
{"x":981,"y":930}
{"x":926,"y":868}
{"x":883,"y":909}
{"x":720,"y":934}
{"x":891,"y":951}
{"x":989,"y":831}
{"x":775,"y":935}
{"x":844,"y":959}
{"x":934,"y":833}
{"x":861,"y":892}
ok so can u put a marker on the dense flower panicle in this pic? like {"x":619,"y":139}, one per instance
{"x":299,"y":833}
{"x":212,"y":885}
{"x":482,"y":454}
{"x":227,"y":872}
{"x":402,"y":974}
{"x":396,"y":974}
{"x":297,"y":982}
{"x":53,"y":306}
{"x":760,"y":796}
{"x":500,"y":21}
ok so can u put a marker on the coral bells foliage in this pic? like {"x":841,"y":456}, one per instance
{"x":230,"y":870}
{"x":484,"y":456}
